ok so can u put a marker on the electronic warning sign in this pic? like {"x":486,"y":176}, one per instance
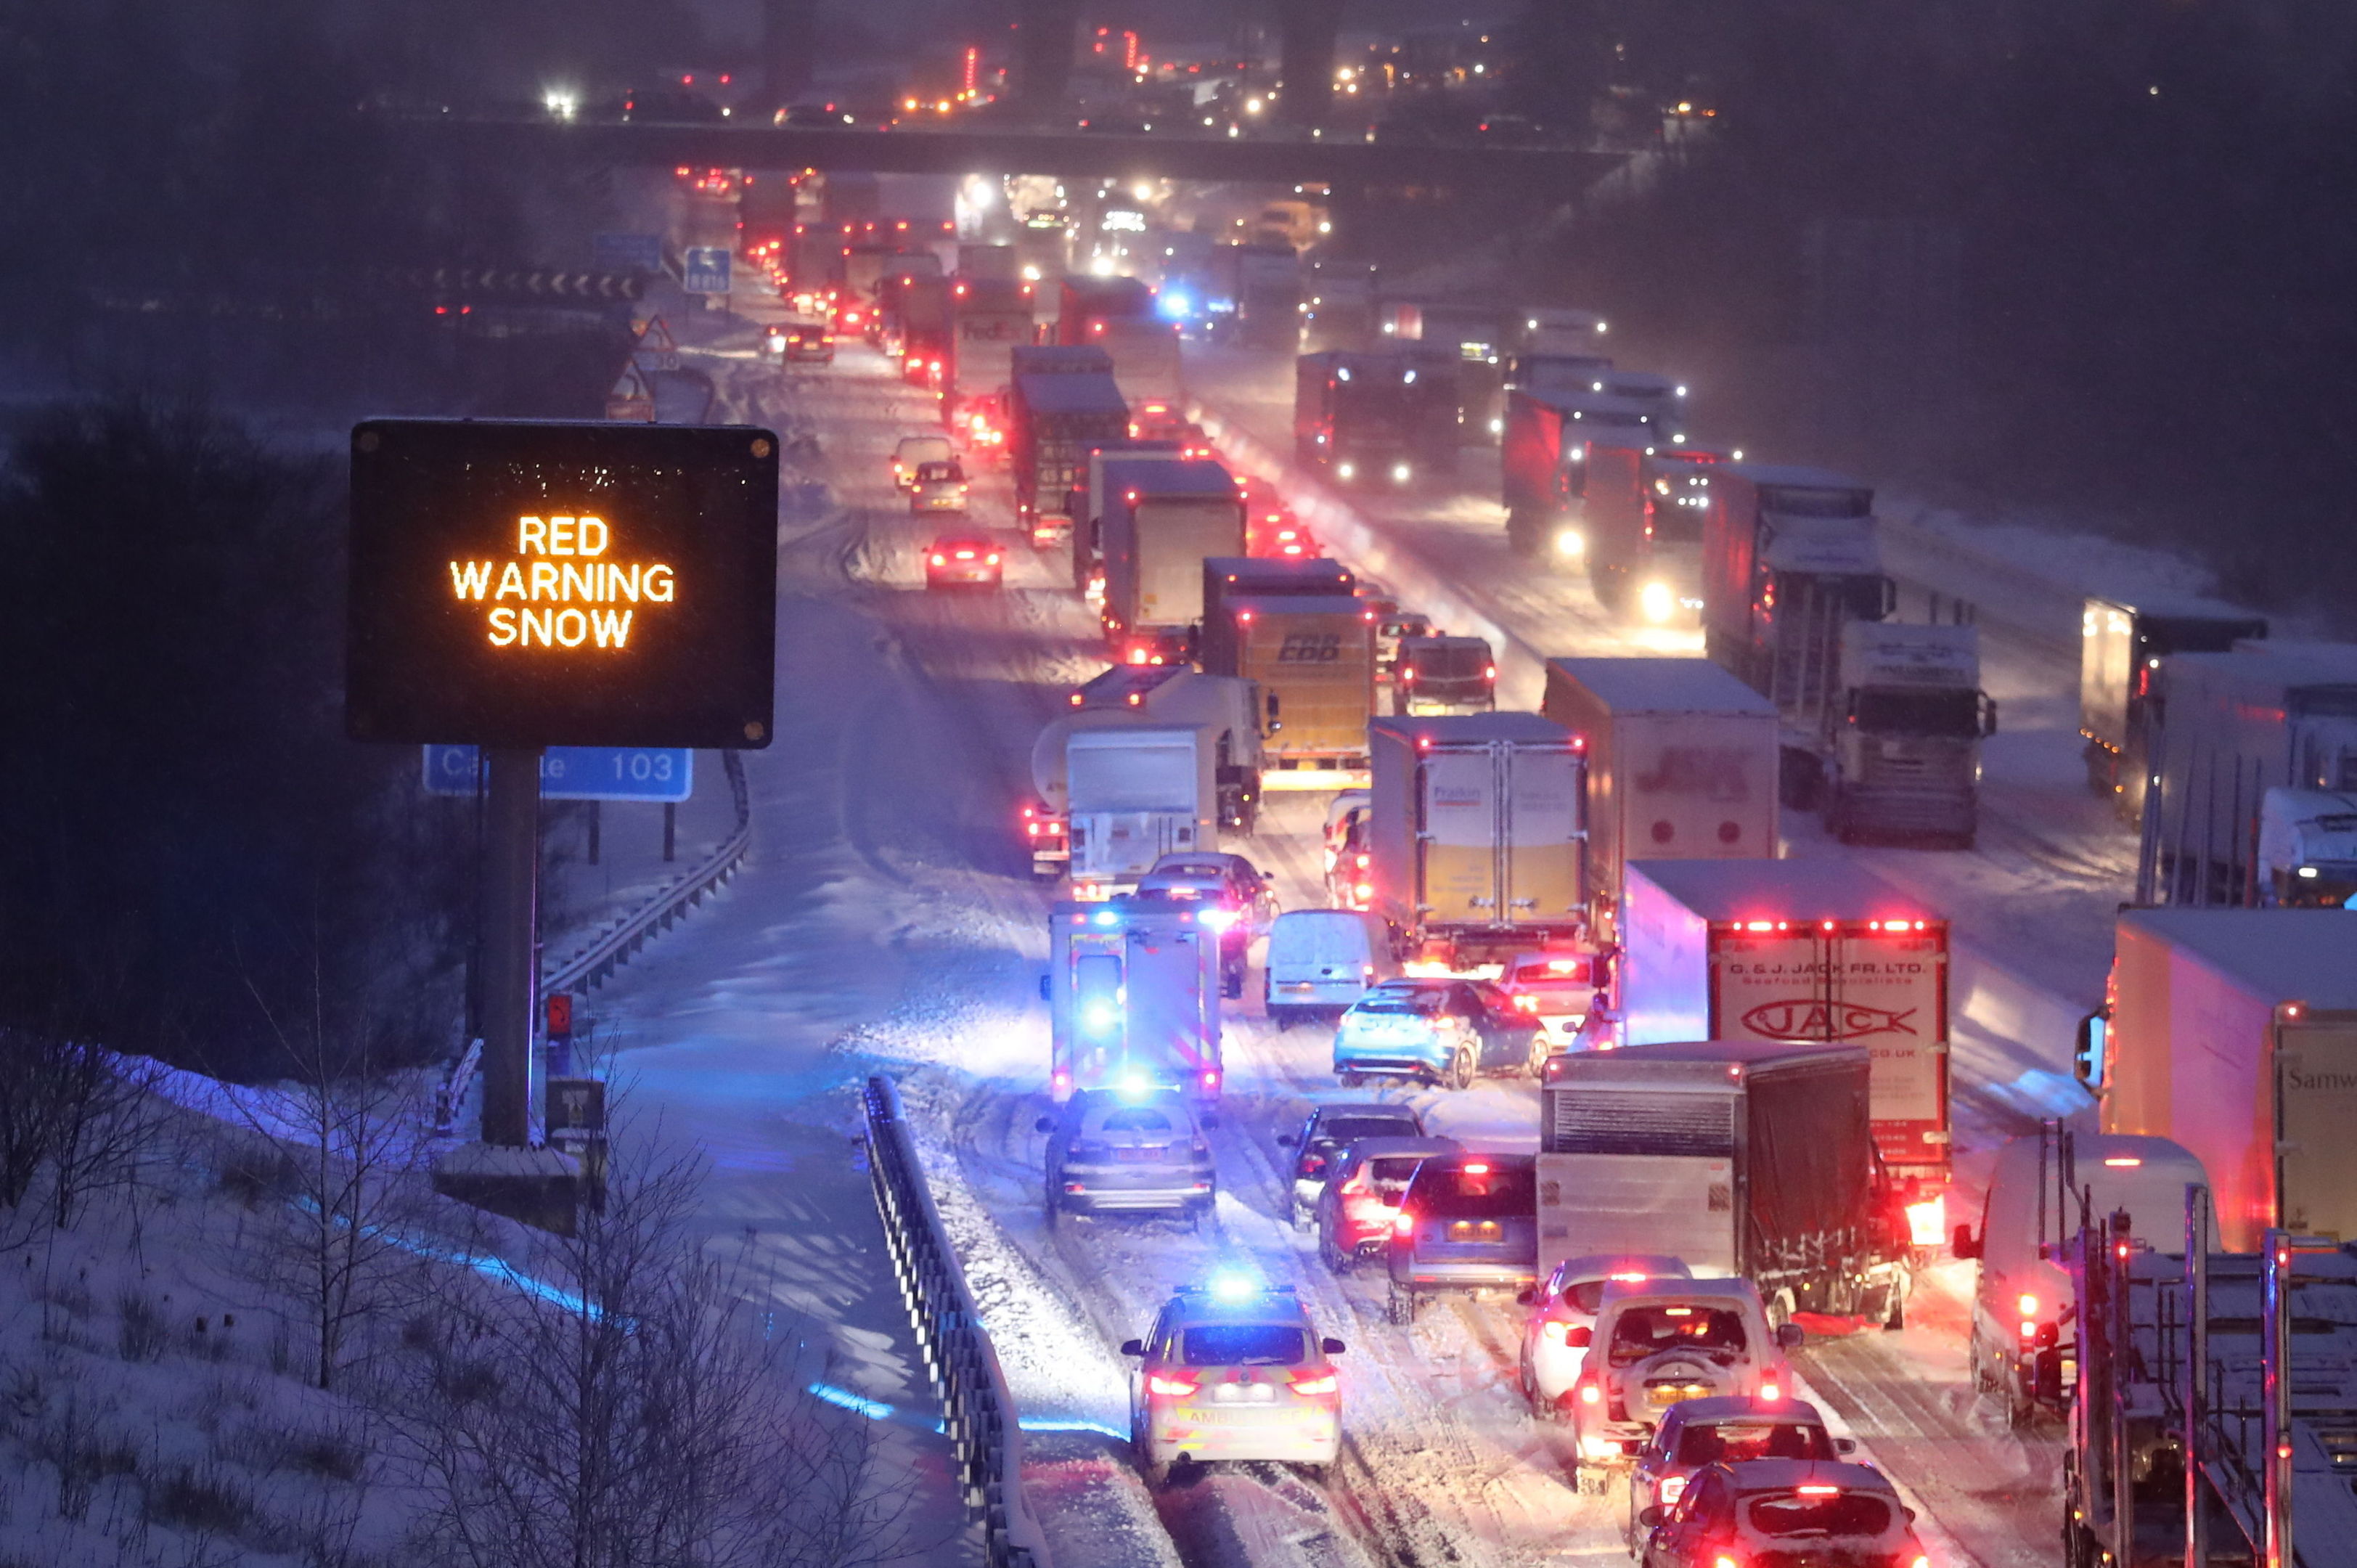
{"x":526,"y":584}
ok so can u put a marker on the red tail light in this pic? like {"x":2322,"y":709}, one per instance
{"x":1591,"y":1394}
{"x":1316,"y":1383}
{"x":1527,"y":1003}
{"x":939,"y":559}
{"x":1404,"y":1223}
{"x":1169,"y":1387}
{"x":1211,"y":1078}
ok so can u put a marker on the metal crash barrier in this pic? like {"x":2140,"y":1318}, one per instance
{"x":977,"y":1413}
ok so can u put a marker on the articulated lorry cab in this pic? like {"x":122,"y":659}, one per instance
{"x":1643,"y":513}
{"x":1789,"y":559}
{"x":1132,"y":994}
{"x":2233,"y":1033}
{"x":1542,"y":463}
{"x":1803,"y":951}
{"x":1902,"y":747}
{"x":2122,"y":644}
{"x":1384,"y":419}
{"x":2235,"y":725}
{"x":1738,"y":1158}
{"x":2308,"y":849}
{"x":1475,"y":836}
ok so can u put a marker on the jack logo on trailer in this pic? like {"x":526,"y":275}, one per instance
{"x":1815,"y":1020}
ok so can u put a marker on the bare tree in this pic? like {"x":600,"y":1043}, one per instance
{"x":350,"y":1166}
{"x":75,"y":1120}
{"x":623,"y":1411}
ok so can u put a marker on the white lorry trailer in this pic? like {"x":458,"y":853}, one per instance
{"x":1680,"y":765}
{"x":2234,"y":1032}
{"x":1475,"y":834}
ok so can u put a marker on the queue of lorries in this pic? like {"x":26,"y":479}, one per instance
{"x":1741,"y":1060}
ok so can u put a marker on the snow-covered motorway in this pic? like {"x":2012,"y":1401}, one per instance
{"x":889,"y":919}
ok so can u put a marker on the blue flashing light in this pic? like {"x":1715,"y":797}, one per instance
{"x":1233,"y":1286}
{"x":843,"y":1399}
{"x":1099,"y":1017}
{"x":1174,"y":304}
{"x":1136,"y":1084}
{"x":1107,"y":918}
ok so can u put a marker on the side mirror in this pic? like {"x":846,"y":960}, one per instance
{"x":1845,"y":1445}
{"x":1332,"y":1347}
{"x":1967,"y":1245}
{"x":1907,"y":1511}
{"x":1989,"y":716}
{"x":1288,"y":1140}
{"x":1790,"y":1336}
{"x":1045,"y":1124}
{"x":2087,"y":1062}
{"x":1133,"y":1347}
{"x":1043,"y":988}
{"x":1578,"y":1337}
{"x":1649,"y":1517}
{"x":1524,"y":1297}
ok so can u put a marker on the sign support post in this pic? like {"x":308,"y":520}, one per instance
{"x":510,"y":960}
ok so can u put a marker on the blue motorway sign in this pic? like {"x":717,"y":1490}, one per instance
{"x":579,"y":772}
{"x":704,"y":269}
{"x":626,"y":252}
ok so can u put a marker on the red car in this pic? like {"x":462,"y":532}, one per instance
{"x":956,"y":563}
{"x":1359,"y":1205}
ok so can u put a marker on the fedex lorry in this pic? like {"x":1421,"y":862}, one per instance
{"x":1132,"y":991}
{"x":1800,"y":951}
{"x":1681,"y":766}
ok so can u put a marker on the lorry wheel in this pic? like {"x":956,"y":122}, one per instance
{"x":1051,"y":1206}
{"x":1347,"y":1079}
{"x":1401,"y":1307}
{"x":1460,"y":1070}
{"x":1231,"y":986}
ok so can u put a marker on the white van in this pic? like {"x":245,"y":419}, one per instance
{"x":2035,"y":1201}
{"x":1322,"y":961}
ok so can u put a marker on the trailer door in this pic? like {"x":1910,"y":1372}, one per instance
{"x":1543,"y":842}
{"x":2316,"y":1106}
{"x":1457,"y":833}
{"x":1165,"y":1003}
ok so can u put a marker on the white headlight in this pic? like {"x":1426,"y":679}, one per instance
{"x":1568,"y":542}
{"x":1399,"y":473}
{"x":1656,"y":601}
{"x":1347,"y":470}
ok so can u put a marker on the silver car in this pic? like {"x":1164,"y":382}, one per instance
{"x":1111,"y":1151}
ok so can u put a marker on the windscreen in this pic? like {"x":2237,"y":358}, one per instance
{"x":1389,"y":1175}
{"x":1243,"y":1344}
{"x":1448,"y":663}
{"x":1842,"y":1513}
{"x":1726,"y":1442}
{"x":1461,"y":1192}
{"x":1948,"y":713}
{"x":1351,"y":1129}
{"x":1793,"y":500}
{"x":1644,"y":1331}
{"x":1423,"y":1002}
{"x":1135,"y":1121}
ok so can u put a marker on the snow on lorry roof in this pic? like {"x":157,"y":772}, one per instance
{"x":1782,"y":890}
{"x":2304,"y":955}
{"x":1664,"y":685}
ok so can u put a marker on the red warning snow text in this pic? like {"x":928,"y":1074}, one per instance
{"x":561,"y":589}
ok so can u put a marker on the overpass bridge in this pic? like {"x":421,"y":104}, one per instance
{"x":1347,"y":165}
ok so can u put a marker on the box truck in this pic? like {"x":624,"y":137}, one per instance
{"x":2234,"y":1032}
{"x":1133,"y":993}
{"x":1161,"y":520}
{"x":1086,"y":506}
{"x":1739,"y":1158}
{"x":1475,"y":835}
{"x":1802,"y":951}
{"x":1681,"y":766}
{"x":2235,"y":725}
{"x":1136,"y":793}
{"x":1313,"y":657}
{"x":2121,"y":643}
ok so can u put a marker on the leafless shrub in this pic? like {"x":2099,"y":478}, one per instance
{"x":630,"y":1413}
{"x":140,"y":1332}
{"x":68,"y":1438}
{"x":205,"y":1499}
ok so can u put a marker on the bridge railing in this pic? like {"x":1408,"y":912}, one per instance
{"x":977,"y":1412}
